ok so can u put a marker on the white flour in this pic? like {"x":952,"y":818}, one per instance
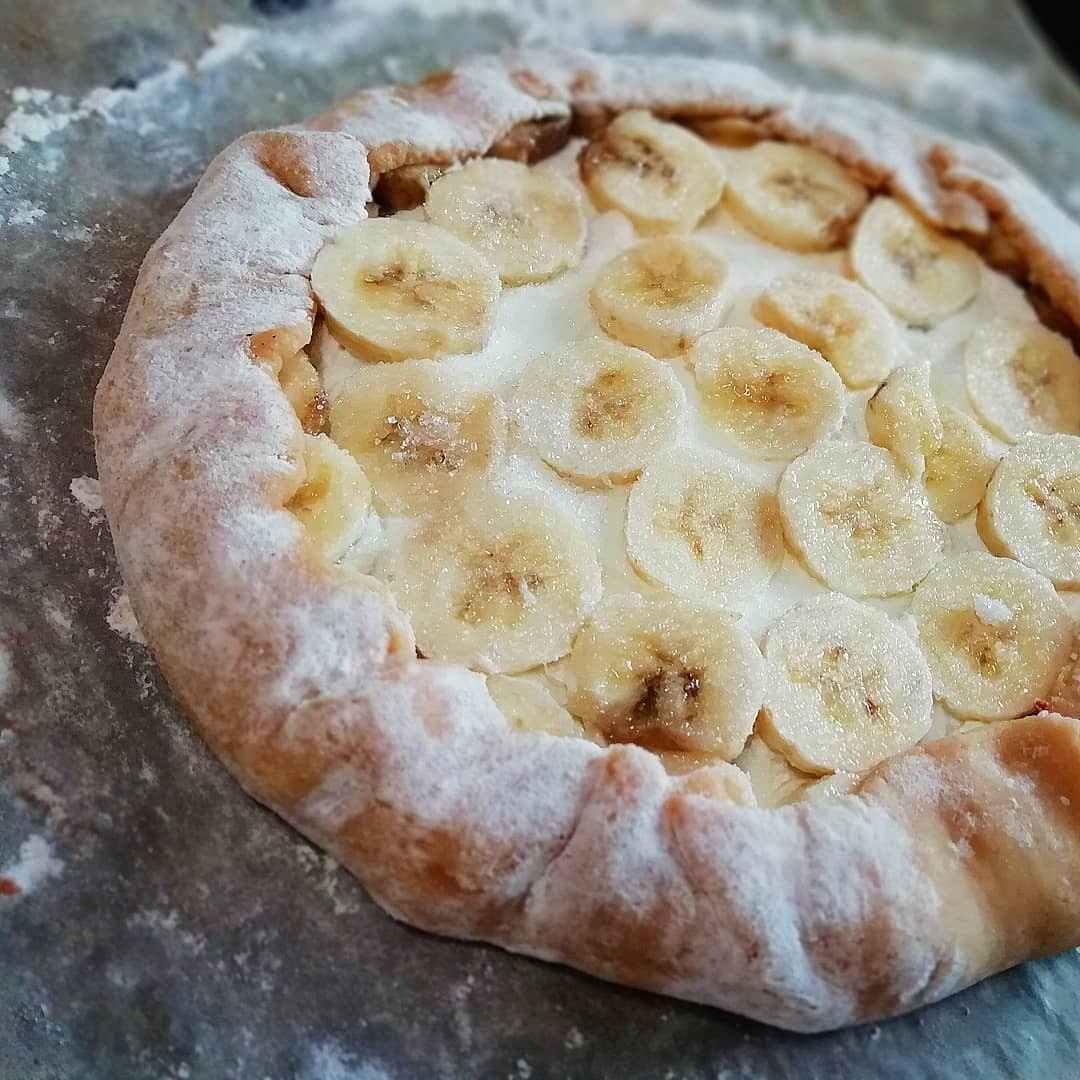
{"x":35,"y":865}
{"x":7,"y":673}
{"x":121,"y":620}
{"x":86,"y":491}
{"x":12,"y":423}
{"x":24,"y":212}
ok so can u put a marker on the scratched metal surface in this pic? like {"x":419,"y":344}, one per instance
{"x":167,"y":926}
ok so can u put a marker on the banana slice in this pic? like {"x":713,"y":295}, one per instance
{"x":1032,"y":507}
{"x":995,"y":633}
{"x":657,"y":672}
{"x":529,"y":224}
{"x":663,"y":178}
{"x":958,"y":471}
{"x":661,"y":294}
{"x":856,"y":521}
{"x":300,"y":381}
{"x":708,"y":775}
{"x":1022,"y":379}
{"x":699,"y":526}
{"x":422,"y":433}
{"x":918,"y":272}
{"x":528,"y":705}
{"x":772,"y":396}
{"x":596,"y":411}
{"x":846,"y":687}
{"x":793,"y":196}
{"x":903,"y":417}
{"x":500,"y":582}
{"x":392,"y":289}
{"x":840,"y":319}
{"x":334,"y":501}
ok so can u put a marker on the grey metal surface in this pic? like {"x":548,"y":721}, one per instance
{"x":175,"y":928}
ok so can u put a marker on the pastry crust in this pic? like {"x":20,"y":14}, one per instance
{"x":952,"y":861}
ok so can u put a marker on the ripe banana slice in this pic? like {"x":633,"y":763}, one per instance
{"x":793,"y":196}
{"x":300,"y":381}
{"x":958,"y":471}
{"x":422,"y":433}
{"x":1022,"y":379}
{"x":661,"y":294}
{"x":660,"y":673}
{"x":840,"y":319}
{"x":500,"y":582}
{"x":994,"y":632}
{"x":845,"y":686}
{"x":903,"y":417}
{"x":528,"y":705}
{"x":918,"y":272}
{"x":596,"y":411}
{"x":392,"y":288}
{"x":1032,"y":507}
{"x":699,"y":526}
{"x":856,"y":521}
{"x":662,"y":177}
{"x":529,"y":224}
{"x":334,"y":501}
{"x":771,"y":395}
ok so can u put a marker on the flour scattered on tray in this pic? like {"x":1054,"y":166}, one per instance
{"x":7,"y":673}
{"x":121,"y":619}
{"x":86,"y":491}
{"x":12,"y":424}
{"x":80,"y":234}
{"x":35,"y":865}
{"x":327,"y":1061}
{"x":24,"y":212}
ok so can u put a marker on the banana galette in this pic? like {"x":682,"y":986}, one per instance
{"x":629,"y":511}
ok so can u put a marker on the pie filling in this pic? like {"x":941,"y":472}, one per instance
{"x":699,"y":447}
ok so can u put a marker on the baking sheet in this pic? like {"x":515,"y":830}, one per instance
{"x":154,"y":922}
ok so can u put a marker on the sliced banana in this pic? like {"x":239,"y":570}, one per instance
{"x":661,"y":294}
{"x":856,"y":521}
{"x":735,"y":132}
{"x":903,"y":417}
{"x":918,"y":272}
{"x":300,"y":381}
{"x":994,"y":632}
{"x":698,"y":525}
{"x":839,"y":318}
{"x":775,"y":781}
{"x":334,"y":501}
{"x":709,"y":776}
{"x":391,"y":288}
{"x":662,"y":177}
{"x":499,"y":582}
{"x":529,"y":224}
{"x":422,"y":433}
{"x":958,"y":471}
{"x":528,"y":705}
{"x":845,"y":686}
{"x":1032,"y":507}
{"x":660,"y":673}
{"x":793,"y":196}
{"x":772,"y":396}
{"x":597,"y":411}
{"x":1022,"y":379}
